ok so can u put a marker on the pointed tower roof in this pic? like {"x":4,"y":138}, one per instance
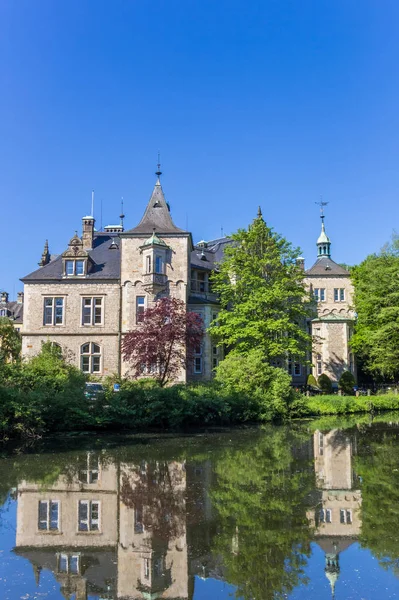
{"x":323,"y":237}
{"x":157,"y":214}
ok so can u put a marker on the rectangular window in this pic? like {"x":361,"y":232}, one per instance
{"x":289,"y":366}
{"x":69,"y":563}
{"x":89,"y":515}
{"x":140,"y":308}
{"x":198,"y":360}
{"x":89,"y":471}
{"x":158,"y":264}
{"x":53,"y":312}
{"x":146,"y":568}
{"x":319,"y":364}
{"x":339,"y":294}
{"x":138,"y":519}
{"x":148,"y":264}
{"x":297,"y":369}
{"x":325,"y":515}
{"x":319,"y":294}
{"x":48,"y":519}
{"x":74,"y":267}
{"x":345,"y":516}
{"x":92,"y":311}
{"x":321,"y":444}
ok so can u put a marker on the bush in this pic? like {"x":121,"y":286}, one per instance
{"x":347,"y":382}
{"x":255,"y":380}
{"x":312,"y":381}
{"x":325,"y":384}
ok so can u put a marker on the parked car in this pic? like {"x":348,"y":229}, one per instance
{"x":93,"y":390}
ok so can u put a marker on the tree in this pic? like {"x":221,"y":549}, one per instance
{"x":164,"y":342}
{"x":251,"y":377}
{"x":10,"y":341}
{"x":376,"y":299}
{"x":347,"y":382}
{"x":263,"y":297}
{"x":325,"y":384}
{"x":312,"y":380}
{"x":261,"y":500}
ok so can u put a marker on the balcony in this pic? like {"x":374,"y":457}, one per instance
{"x":154,"y":281}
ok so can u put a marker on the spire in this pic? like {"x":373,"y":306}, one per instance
{"x":158,"y":172}
{"x":323,"y":242}
{"x":45,"y":259}
{"x":157,"y":214}
{"x":122,"y":216}
{"x":259,"y":213}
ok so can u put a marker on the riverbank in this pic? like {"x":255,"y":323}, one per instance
{"x":144,"y":406}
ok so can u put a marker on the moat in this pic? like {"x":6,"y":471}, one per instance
{"x":306,"y":511}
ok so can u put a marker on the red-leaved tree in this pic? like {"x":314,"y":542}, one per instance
{"x":164,"y":342}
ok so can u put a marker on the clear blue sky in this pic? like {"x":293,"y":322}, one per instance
{"x":270,"y":102}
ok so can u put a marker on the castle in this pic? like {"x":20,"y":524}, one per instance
{"x":86,"y":299}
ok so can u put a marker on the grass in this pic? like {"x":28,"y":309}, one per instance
{"x":316,"y":406}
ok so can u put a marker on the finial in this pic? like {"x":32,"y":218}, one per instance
{"x":92,"y":203}
{"x":259,"y":212}
{"x":322,"y":205}
{"x":158,"y":173}
{"x":122,"y":216}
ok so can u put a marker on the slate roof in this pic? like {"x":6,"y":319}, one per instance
{"x":15,"y":310}
{"x":157,"y":216}
{"x":326,"y":266}
{"x":206,"y":257}
{"x":105,"y":263}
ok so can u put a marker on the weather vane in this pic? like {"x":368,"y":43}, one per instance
{"x":159,"y":172}
{"x":322,"y":205}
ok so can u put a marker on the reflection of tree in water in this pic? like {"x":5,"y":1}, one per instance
{"x":155,"y":490}
{"x":378,"y":466}
{"x":262,"y":496}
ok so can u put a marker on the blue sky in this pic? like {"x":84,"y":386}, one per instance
{"x":270,"y":102}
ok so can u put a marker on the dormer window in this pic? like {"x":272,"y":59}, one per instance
{"x":75,"y":268}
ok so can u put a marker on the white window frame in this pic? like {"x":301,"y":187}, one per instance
{"x":345,"y":516}
{"x":93,"y":525}
{"x":91,"y":355}
{"x":47,"y":521}
{"x":319,"y":294}
{"x":137,"y":305}
{"x":74,"y":262}
{"x":3,"y":312}
{"x":92,"y":303}
{"x":53,"y":306}
{"x":86,"y":475}
{"x":319,"y":364}
{"x":325,"y":515}
{"x":68,"y":558}
{"x":339,"y":294}
{"x":146,"y":567}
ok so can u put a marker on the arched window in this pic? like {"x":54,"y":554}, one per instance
{"x":90,"y":358}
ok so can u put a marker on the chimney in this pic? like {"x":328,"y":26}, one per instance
{"x":88,"y":232}
{"x":300,"y":261}
{"x":20,"y":297}
{"x":4,"y":297}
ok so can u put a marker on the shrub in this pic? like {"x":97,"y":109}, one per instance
{"x":250,"y":377}
{"x":312,"y":381}
{"x":347,"y":382}
{"x":325,"y":384}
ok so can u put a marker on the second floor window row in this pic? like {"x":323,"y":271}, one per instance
{"x":91,"y":311}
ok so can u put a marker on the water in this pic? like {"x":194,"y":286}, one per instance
{"x":308,"y":511}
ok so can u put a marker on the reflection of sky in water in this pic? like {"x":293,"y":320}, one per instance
{"x":360,"y":575}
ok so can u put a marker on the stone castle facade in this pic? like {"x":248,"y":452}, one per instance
{"x":87,"y":298}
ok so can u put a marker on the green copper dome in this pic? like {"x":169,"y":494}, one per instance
{"x":154,"y":240}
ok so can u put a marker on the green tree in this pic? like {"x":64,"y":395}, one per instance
{"x":376,"y":299}
{"x":347,"y":382}
{"x":250,"y":376}
{"x":261,"y":499}
{"x":10,"y":341}
{"x":263,"y":297}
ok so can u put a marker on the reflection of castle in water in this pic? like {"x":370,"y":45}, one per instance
{"x":338,"y":498}
{"x":116,"y":530}
{"x":142,"y":531}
